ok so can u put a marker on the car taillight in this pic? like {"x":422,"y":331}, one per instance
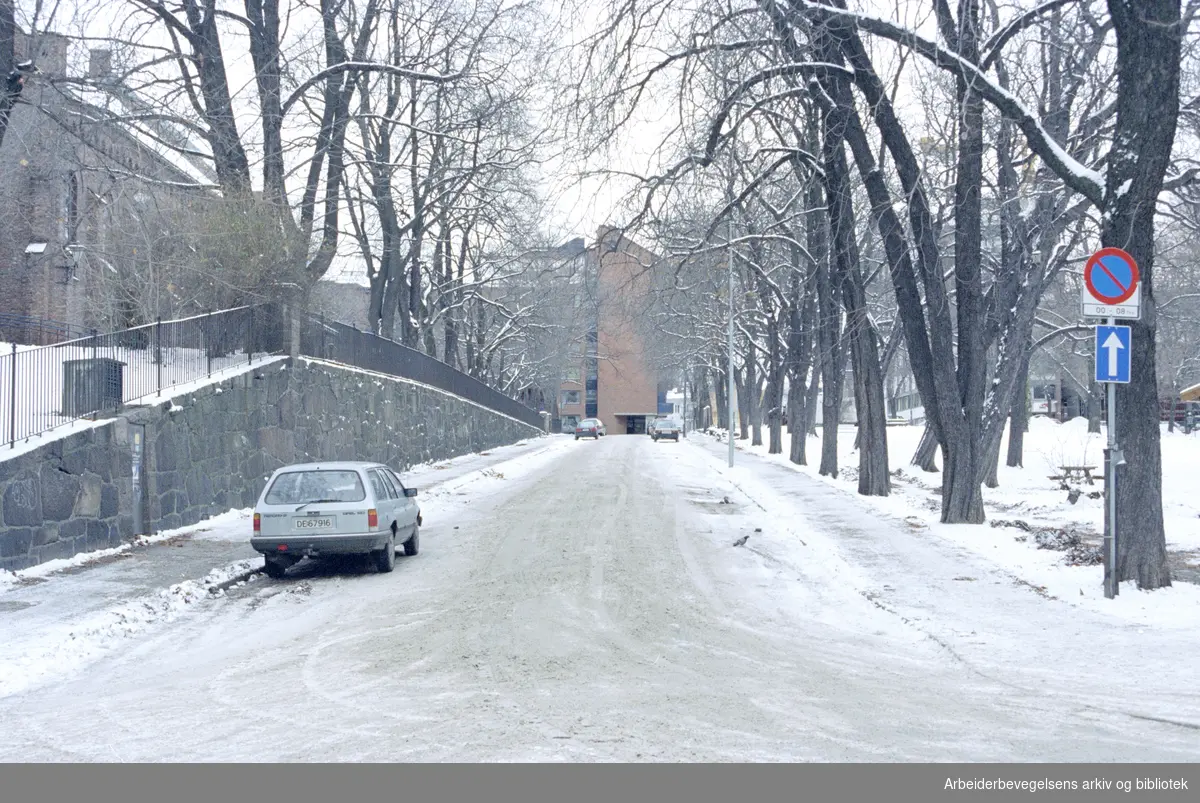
{"x":372,"y":518}
{"x":257,"y":523}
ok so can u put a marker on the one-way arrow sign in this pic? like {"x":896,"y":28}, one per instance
{"x":1112,"y":354}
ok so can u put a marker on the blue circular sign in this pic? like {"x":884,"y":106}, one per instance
{"x":1111,"y":276}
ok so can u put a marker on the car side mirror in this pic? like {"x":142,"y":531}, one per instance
{"x":410,"y":492}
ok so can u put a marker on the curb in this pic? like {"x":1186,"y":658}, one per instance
{"x":232,"y":581}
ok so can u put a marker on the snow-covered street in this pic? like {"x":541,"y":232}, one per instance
{"x":585,"y":601}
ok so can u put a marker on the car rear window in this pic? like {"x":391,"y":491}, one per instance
{"x":298,"y":487}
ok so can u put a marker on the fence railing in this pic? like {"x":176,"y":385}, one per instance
{"x":340,"y":343}
{"x":32,"y":329}
{"x":45,"y":387}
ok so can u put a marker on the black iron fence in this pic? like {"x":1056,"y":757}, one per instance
{"x":45,"y":387}
{"x":35,"y":330}
{"x":345,"y":344}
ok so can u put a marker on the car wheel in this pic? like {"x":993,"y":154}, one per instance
{"x":576,"y":437}
{"x":413,"y":545}
{"x":385,"y":559}
{"x":275,"y":569}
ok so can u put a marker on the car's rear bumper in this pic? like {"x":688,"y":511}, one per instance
{"x":310,"y":545}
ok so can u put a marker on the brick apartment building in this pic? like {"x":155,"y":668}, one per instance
{"x":613,"y":378}
{"x":88,"y":172}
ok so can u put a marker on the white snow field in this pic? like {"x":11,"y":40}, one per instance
{"x":586,"y":602}
{"x":1029,"y":495}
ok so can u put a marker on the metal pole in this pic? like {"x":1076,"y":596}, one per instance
{"x":732,"y":388}
{"x":158,"y":353}
{"x":95,"y":391}
{"x":1112,"y":585}
{"x":12,"y":402}
{"x":208,"y":343}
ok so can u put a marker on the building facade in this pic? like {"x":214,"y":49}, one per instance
{"x":88,"y":175}
{"x":613,"y":377}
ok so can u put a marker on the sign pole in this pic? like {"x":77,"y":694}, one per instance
{"x":1112,"y":586}
{"x":1111,"y":290}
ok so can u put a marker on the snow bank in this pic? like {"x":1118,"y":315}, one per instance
{"x":1029,"y":495}
{"x":51,"y":567}
{"x":65,"y":649}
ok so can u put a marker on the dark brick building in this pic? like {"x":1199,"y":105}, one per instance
{"x":87,"y":171}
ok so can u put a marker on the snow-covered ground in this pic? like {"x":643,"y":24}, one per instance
{"x":623,"y":600}
{"x":58,"y":619}
{"x":1029,"y":495}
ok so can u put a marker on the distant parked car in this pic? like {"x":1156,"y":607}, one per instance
{"x":664,"y":428}
{"x":590,"y":428}
{"x":317,"y":510}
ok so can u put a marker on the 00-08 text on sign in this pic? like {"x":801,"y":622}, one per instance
{"x":1130,"y":311}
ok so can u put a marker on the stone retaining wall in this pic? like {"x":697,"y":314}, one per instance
{"x":212,"y":450}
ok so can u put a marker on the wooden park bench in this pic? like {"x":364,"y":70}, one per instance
{"x":1078,"y":473}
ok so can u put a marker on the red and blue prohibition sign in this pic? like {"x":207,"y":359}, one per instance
{"x":1111,"y":276}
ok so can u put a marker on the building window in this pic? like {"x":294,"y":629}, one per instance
{"x":573,"y":374}
{"x":570,"y":397}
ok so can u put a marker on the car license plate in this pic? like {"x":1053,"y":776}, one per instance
{"x":314,"y":523}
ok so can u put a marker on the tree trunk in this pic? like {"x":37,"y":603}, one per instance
{"x":1095,"y":407}
{"x":962,"y":500}
{"x":810,"y":403}
{"x":13,"y":82}
{"x":753,"y":401}
{"x":1148,"y":66}
{"x":873,"y":477}
{"x":264,"y":51}
{"x":229,"y":157}
{"x":721,"y":386}
{"x":798,"y":448}
{"x":928,"y":448}
{"x":743,"y":402}
{"x":1019,"y":416}
{"x":968,"y":280}
{"x":829,"y":327}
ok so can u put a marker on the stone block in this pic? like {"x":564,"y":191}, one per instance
{"x":75,"y":528}
{"x":109,"y":501}
{"x":16,"y":542}
{"x":45,"y":535}
{"x":87,"y":503}
{"x":59,"y":550}
{"x":23,"y":503}
{"x":18,"y":563}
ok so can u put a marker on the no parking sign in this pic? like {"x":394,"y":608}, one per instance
{"x":1111,"y":286}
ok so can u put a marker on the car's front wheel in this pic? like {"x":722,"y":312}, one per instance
{"x":413,"y":545}
{"x":385,"y":559}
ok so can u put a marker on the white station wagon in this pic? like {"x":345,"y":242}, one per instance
{"x":341,"y":508}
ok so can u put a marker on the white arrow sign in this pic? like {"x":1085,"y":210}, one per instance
{"x":1113,"y":345}
{"x":1115,"y":340}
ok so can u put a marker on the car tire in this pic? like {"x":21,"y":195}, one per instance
{"x":576,"y":437}
{"x":385,"y":559}
{"x":413,"y":545}
{"x":275,"y":569}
